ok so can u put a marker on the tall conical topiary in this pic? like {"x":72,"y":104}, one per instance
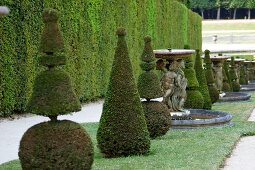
{"x":194,"y":99}
{"x":157,"y":115}
{"x":243,"y":75}
{"x":203,"y":88}
{"x":233,"y":77}
{"x":214,"y":93}
{"x":54,"y":144}
{"x":122,"y":128}
{"x":227,"y":86}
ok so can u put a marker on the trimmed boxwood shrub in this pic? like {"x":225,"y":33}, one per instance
{"x":89,"y":40}
{"x":148,"y":82}
{"x":158,"y":117}
{"x":194,"y":99}
{"x":227,"y":87}
{"x":243,"y":75}
{"x":214,"y":93}
{"x":122,"y":128}
{"x":233,"y":77}
{"x":56,"y":145}
{"x":203,"y":88}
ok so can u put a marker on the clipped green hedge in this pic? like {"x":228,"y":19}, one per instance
{"x":88,"y":28}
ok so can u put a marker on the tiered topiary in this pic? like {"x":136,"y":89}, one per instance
{"x":122,"y":128}
{"x":243,"y":75}
{"x":203,"y":88}
{"x":226,"y":83}
{"x":54,"y":144}
{"x":157,"y":115}
{"x":194,"y":99}
{"x":233,"y":77}
{"x":214,"y":93}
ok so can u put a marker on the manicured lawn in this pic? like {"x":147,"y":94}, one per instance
{"x":215,"y":25}
{"x":204,"y":148}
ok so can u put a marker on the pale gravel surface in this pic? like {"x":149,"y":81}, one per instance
{"x":243,"y":155}
{"x":11,"y":131}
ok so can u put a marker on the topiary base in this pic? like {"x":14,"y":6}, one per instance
{"x":194,"y":100}
{"x":61,"y":145}
{"x":158,"y":118}
{"x":214,"y":93}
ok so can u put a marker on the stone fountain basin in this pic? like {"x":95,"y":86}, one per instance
{"x":203,"y":118}
{"x":248,"y":87}
{"x":235,"y":96}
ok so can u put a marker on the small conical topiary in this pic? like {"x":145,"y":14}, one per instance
{"x":233,"y":77}
{"x":214,"y":93}
{"x":203,"y":88}
{"x":243,"y":75}
{"x":226,"y":85}
{"x":148,"y":82}
{"x":194,"y":99}
{"x":54,"y":144}
{"x":122,"y":128}
{"x":158,"y":117}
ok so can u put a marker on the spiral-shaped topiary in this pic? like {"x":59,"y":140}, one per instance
{"x":53,"y":94}
{"x":148,"y":82}
{"x":227,"y":86}
{"x":214,"y":93}
{"x":56,"y":145}
{"x":122,"y":128}
{"x":194,"y":99}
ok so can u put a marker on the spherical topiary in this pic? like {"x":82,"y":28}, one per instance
{"x":194,"y":99}
{"x":203,"y":88}
{"x":122,"y":128}
{"x":56,"y":145}
{"x":148,"y":82}
{"x":158,"y":118}
{"x":214,"y":93}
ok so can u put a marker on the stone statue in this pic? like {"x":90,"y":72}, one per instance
{"x":217,"y":70}
{"x":179,"y":95}
{"x":174,"y":83}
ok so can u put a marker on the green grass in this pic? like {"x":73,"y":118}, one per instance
{"x":204,"y":148}
{"x":220,"y":25}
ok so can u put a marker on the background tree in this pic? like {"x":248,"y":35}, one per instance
{"x":202,"y":5}
{"x":235,"y":4}
{"x":249,"y":4}
{"x":221,"y":4}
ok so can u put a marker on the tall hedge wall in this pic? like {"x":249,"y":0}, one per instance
{"x":88,"y":28}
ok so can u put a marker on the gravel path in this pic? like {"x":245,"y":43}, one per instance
{"x":11,"y":131}
{"x":243,"y":155}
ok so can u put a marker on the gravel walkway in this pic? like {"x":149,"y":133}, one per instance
{"x":11,"y":131}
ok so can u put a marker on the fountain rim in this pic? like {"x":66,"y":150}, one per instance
{"x":224,"y":119}
{"x":173,"y":53}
